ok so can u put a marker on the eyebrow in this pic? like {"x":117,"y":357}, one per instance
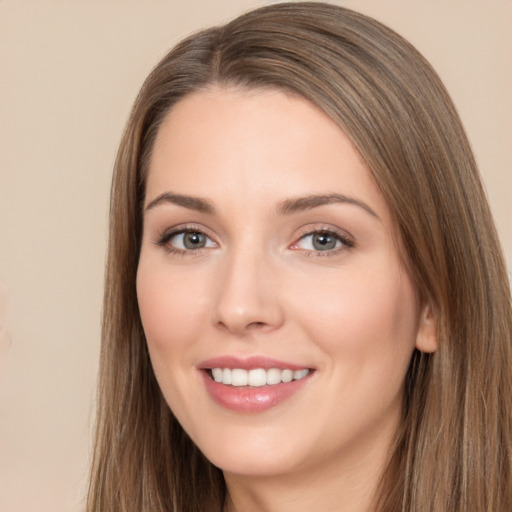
{"x":299,"y":204}
{"x":286,"y":207}
{"x":190,"y":202}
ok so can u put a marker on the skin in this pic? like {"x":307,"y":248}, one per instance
{"x":260,"y":287}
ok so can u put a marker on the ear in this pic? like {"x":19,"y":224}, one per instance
{"x":426,"y":339}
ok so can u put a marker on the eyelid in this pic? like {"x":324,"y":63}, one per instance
{"x":163,"y":237}
{"x":346,"y":238}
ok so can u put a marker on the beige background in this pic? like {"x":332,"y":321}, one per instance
{"x":69,"y":73}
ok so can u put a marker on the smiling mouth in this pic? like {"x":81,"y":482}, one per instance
{"x":257,"y":377}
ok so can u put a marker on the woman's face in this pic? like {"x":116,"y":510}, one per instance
{"x":269,"y":254}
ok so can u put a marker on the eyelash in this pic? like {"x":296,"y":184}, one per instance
{"x":346,"y":243}
{"x":166,"y":236}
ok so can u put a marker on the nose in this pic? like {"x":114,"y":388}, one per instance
{"x":247,"y":295}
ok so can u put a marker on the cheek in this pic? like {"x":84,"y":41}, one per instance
{"x":367,"y":317}
{"x":172,"y":310}
{"x":173,"y":315}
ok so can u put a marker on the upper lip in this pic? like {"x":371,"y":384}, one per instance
{"x":249,"y":363}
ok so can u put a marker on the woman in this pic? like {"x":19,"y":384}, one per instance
{"x":306,"y":304}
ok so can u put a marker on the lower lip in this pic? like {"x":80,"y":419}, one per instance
{"x":251,"y":399}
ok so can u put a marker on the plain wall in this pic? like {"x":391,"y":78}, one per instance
{"x":69,"y":71}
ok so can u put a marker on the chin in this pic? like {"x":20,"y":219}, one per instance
{"x":253,"y":465}
{"x":251,"y":455}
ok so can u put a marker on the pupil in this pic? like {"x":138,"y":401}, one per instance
{"x":194,"y":240}
{"x":323,"y":242}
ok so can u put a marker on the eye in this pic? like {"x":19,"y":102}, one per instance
{"x":190,"y":240}
{"x":185,"y":240}
{"x":325,"y":241}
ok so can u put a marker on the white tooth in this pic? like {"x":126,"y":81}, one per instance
{"x":287,"y":375}
{"x":217,"y":374}
{"x":300,"y":374}
{"x":226,"y":376}
{"x":257,"y":377}
{"x":239,"y":377}
{"x":273,"y":376}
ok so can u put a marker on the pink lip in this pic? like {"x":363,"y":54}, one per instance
{"x":247,"y":363}
{"x":249,"y":399}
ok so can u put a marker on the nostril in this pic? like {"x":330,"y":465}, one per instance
{"x":251,"y":326}
{"x":256,"y":325}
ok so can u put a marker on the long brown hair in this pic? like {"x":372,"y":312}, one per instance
{"x":454,"y":448}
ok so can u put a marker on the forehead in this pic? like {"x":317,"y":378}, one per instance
{"x":258,"y":143}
